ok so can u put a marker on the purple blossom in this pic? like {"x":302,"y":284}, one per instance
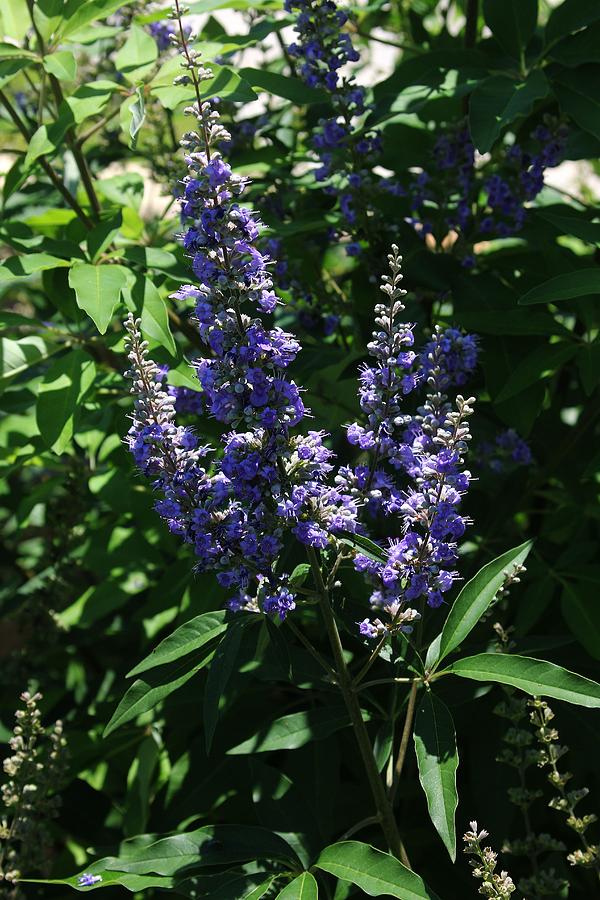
{"x":88,"y":880}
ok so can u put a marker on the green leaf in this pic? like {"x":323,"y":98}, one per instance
{"x":46,"y":140}
{"x":377,"y":874}
{"x":15,"y":19}
{"x":159,"y":862}
{"x":9,"y":68}
{"x":578,"y":92}
{"x":219,"y":674}
{"x":10,"y":51}
{"x":60,"y":395}
{"x":581,"y":612}
{"x":512,"y":23}
{"x":225,"y":84}
{"x":100,"y":237}
{"x":137,"y":55}
{"x":499,"y":100}
{"x":90,"y":99}
{"x":366,"y":546}
{"x":569,"y":16}
{"x":472,"y":602}
{"x":564,"y":287}
{"x":540,"y":363}
{"x":28,"y":264}
{"x":582,"y":47}
{"x":304,"y":887}
{"x":155,"y":320}
{"x":146,"y":693}
{"x":18,"y":356}
{"x":534,"y":676}
{"x":588,"y":365}
{"x":98,"y":290}
{"x":132,"y":883}
{"x":571,"y":223}
{"x":299,"y":575}
{"x":286,"y":86}
{"x":137,"y":114}
{"x":88,"y":11}
{"x":295,"y":730}
{"x":437,"y":758}
{"x":188,"y":637}
{"x":62,"y":64}
{"x":140,"y":786}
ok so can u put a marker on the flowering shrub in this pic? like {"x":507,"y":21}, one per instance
{"x":299,"y":408}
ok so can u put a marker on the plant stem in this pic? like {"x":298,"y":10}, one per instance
{"x":385,"y":814}
{"x":406,"y":732}
{"x":52,"y":175}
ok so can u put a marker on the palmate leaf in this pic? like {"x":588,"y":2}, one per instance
{"x":472,"y":602}
{"x":376,"y":873}
{"x":437,"y":758}
{"x":534,"y":676}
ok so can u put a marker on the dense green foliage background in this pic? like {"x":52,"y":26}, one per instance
{"x":91,"y":578}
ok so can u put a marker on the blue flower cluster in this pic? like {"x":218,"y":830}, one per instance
{"x":506,"y":451}
{"x":267,"y":481}
{"x":429,"y":448}
{"x":345,"y":154}
{"x":162,"y":33}
{"x":475,"y":206}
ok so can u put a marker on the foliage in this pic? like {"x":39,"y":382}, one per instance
{"x":287,"y":751}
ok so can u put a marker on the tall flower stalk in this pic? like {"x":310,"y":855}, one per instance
{"x":272,"y":481}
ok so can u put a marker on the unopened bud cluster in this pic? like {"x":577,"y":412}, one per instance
{"x":493,"y":884}
{"x":34,"y":773}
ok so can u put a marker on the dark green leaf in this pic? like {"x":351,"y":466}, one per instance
{"x":569,"y":16}
{"x":578,"y":93}
{"x":437,"y":758}
{"x":512,"y":23}
{"x":472,"y":602}
{"x":147,"y":692}
{"x":539,"y":364}
{"x":285,"y":86}
{"x":534,"y":676}
{"x":564,"y":287}
{"x":218,"y":676}
{"x":188,"y":637}
{"x":377,"y":874}
{"x":295,"y":730}
{"x":581,"y":612}
{"x":499,"y":100}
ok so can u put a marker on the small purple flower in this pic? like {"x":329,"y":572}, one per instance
{"x":88,"y":880}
